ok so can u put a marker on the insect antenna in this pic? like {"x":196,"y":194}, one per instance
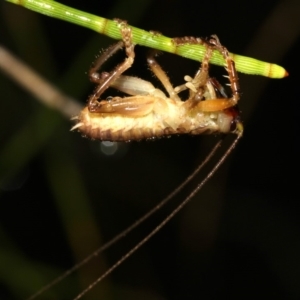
{"x":129,"y":229}
{"x":159,"y":206}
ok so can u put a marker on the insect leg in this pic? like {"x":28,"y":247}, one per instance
{"x":211,"y":105}
{"x":94,"y":74}
{"x":233,"y":77}
{"x":161,"y":75}
{"x":105,"y":82}
{"x":136,"y":87}
{"x":197,"y":84}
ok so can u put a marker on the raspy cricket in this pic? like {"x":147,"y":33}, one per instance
{"x":149,"y":113}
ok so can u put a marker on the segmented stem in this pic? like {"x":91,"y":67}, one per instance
{"x":144,"y":38}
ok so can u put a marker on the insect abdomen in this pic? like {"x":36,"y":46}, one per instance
{"x":174,"y":120}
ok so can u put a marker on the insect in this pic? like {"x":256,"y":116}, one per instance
{"x":149,"y":39}
{"x":207,"y":104}
{"x":179,"y":139}
{"x":149,"y":113}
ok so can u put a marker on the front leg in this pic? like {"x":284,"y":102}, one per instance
{"x":232,"y":73}
{"x":210,"y":105}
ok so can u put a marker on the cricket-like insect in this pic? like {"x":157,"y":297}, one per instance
{"x":148,"y":113}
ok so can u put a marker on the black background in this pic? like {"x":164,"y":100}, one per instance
{"x":61,"y":197}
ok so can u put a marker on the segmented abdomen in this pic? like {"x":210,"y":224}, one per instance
{"x":175,"y":119}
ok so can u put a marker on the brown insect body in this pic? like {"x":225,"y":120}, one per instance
{"x":165,"y":117}
{"x":148,"y":113}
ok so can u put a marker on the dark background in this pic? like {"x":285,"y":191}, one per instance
{"x":61,"y":196}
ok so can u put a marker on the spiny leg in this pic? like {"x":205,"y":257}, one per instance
{"x":230,"y":67}
{"x":223,"y":103}
{"x":94,"y":74}
{"x":106,"y":79}
{"x":211,"y":105}
{"x":219,"y":104}
{"x":161,"y":75}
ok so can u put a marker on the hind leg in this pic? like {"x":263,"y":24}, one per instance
{"x":105,"y":79}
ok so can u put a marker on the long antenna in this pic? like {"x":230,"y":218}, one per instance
{"x":169,"y":217}
{"x":125,"y":232}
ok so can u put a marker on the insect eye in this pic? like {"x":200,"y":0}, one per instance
{"x":233,"y":125}
{"x":236,"y":119}
{"x":234,"y":114}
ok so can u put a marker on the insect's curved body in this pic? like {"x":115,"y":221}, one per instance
{"x":162,"y":116}
{"x":149,"y":113}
